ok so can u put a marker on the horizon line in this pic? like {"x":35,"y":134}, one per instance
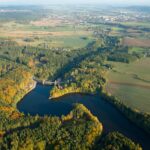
{"x":111,"y":5}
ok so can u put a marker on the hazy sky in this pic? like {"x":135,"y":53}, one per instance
{"x":109,"y":2}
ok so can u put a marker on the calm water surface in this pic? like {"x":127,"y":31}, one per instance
{"x":37,"y":102}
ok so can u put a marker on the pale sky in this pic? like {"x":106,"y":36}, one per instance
{"x":109,"y":2}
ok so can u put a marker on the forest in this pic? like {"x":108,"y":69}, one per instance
{"x":78,"y":130}
{"x":29,"y":132}
{"x":75,"y":50}
{"x":90,"y":77}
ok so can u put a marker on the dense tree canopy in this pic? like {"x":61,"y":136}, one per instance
{"x":80,"y":70}
{"x":117,"y":141}
{"x":78,"y":130}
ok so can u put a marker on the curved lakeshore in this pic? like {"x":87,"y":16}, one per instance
{"x":30,"y":87}
{"x":37,"y":102}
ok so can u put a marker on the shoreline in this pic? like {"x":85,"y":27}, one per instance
{"x":111,"y":100}
{"x":29,"y":89}
{"x":32,"y":87}
{"x":81,"y":93}
{"x":112,"y":106}
{"x":122,"y":108}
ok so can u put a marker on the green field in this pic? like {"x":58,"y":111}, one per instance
{"x":65,"y":36}
{"x":136,"y":49}
{"x":69,"y":41}
{"x":138,"y":24}
{"x":72,"y":42}
{"x":131,"y":83}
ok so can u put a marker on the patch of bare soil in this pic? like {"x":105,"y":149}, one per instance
{"x":136,"y":42}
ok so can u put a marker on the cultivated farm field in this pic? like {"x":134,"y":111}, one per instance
{"x":50,"y":33}
{"x":136,"y":42}
{"x":131,"y":83}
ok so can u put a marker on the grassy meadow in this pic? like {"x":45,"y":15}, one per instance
{"x":131,"y":83}
{"x":137,"y":24}
{"x":53,"y":35}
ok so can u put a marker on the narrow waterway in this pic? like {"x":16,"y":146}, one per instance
{"x":37,"y":102}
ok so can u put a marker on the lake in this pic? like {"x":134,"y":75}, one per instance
{"x":37,"y":102}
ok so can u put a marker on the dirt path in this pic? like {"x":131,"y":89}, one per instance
{"x":130,"y":84}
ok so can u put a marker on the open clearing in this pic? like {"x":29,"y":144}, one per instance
{"x":48,"y":33}
{"x":137,"y":24}
{"x":131,"y":83}
{"x":21,"y":34}
{"x":136,"y":42}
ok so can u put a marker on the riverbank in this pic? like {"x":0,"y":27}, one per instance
{"x":56,"y":92}
{"x":31,"y":86}
{"x":15,"y":85}
{"x":27,"y":89}
{"x":37,"y":102}
{"x":142,"y":120}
